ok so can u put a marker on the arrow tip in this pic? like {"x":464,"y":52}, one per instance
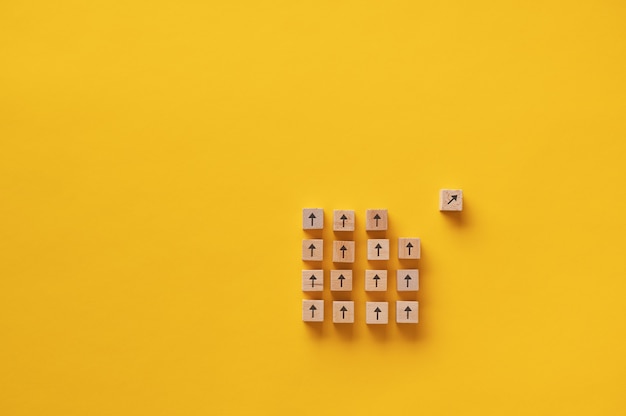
{"x":311,"y":247}
{"x":378,"y":246}
{"x":312,"y":308}
{"x":409,"y":245}
{"x":377,"y":309}
{"x":376,"y":217}
{"x":343,"y":309}
{"x":312,"y":216}
{"x":407,"y":309}
{"x":343,"y":217}
{"x":407,"y":277}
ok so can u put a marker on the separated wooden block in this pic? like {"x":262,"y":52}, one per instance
{"x":343,"y":251}
{"x":451,"y":200}
{"x":313,"y":250}
{"x":407,"y":280}
{"x":343,"y":312}
{"x":409,"y":248}
{"x":376,"y":220}
{"x":376,"y":312}
{"x":312,"y":219}
{"x":375,"y":280}
{"x":312,"y":280}
{"x":407,"y":312}
{"x":313,"y":310}
{"x":378,"y":249}
{"x":341,"y":280}
{"x":343,"y":220}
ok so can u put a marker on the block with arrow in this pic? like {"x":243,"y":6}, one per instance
{"x":312,"y":219}
{"x":343,"y":251}
{"x":376,"y":312}
{"x":451,"y":200}
{"x":343,"y":220}
{"x":375,"y":280}
{"x":313,"y":310}
{"x":407,"y":280}
{"x":343,"y":312}
{"x":378,"y":249}
{"x":341,"y":280}
{"x":376,"y":220}
{"x":409,"y":248}
{"x":407,"y":312}
{"x":312,"y":280}
{"x":313,"y":250}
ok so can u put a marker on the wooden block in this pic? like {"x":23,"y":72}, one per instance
{"x":409,"y":248}
{"x":343,"y":220}
{"x":341,"y":280}
{"x":312,"y":280}
{"x":343,"y":312}
{"x":313,"y":250}
{"x":375,"y":280}
{"x":408,"y":280}
{"x":407,"y":312}
{"x":343,"y":251}
{"x":451,"y":200}
{"x":313,"y":310}
{"x":376,"y":220}
{"x":378,"y":249}
{"x":376,"y":312}
{"x":312,"y":219}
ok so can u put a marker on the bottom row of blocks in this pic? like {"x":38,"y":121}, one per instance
{"x":375,"y":312}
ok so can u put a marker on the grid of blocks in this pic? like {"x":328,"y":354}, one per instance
{"x":343,"y":251}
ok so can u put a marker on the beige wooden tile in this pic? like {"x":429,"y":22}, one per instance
{"x":313,"y":250}
{"x":376,"y":220}
{"x":409,"y":248}
{"x":451,"y":200}
{"x":407,"y":312}
{"x":343,"y":220}
{"x":375,"y":280}
{"x":312,"y":219}
{"x":407,"y":280}
{"x":343,"y":251}
{"x":312,"y":280}
{"x":378,"y":249}
{"x":341,"y":280}
{"x":313,"y":310}
{"x":343,"y":312}
{"x":376,"y":312}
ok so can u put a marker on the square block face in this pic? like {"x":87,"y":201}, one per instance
{"x":343,"y":312}
{"x":312,"y":280}
{"x":375,"y":280}
{"x":408,"y":280}
{"x":407,"y":312}
{"x":313,"y":250}
{"x":312,"y":218}
{"x":313,"y":310}
{"x":378,"y":249}
{"x":343,"y":220}
{"x":451,"y":200}
{"x":343,"y":251}
{"x":376,"y":312}
{"x":376,"y":220}
{"x":341,"y":280}
{"x":409,"y":248}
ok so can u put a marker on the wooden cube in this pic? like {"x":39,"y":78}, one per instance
{"x":407,"y":312}
{"x":343,"y":220}
{"x":341,"y":280}
{"x":376,"y":220}
{"x":407,"y":280}
{"x":343,"y":251}
{"x":378,"y":249}
{"x":313,"y":310}
{"x":451,"y":200}
{"x":409,"y":248}
{"x":313,"y":250}
{"x":375,"y":280}
{"x":343,"y":312}
{"x":312,"y":280}
{"x":376,"y":312}
{"x":312,"y":219}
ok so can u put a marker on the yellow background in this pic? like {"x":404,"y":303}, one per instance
{"x":155,"y":158}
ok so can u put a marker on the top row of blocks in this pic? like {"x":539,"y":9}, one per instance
{"x":343,"y":220}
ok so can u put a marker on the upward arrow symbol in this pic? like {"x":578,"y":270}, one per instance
{"x":343,"y":312}
{"x":312,"y":247}
{"x":376,"y":279}
{"x":377,"y":310}
{"x":407,"y":278}
{"x":409,"y":246}
{"x":312,"y":217}
{"x":312,"y":309}
{"x":343,"y":251}
{"x":376,"y":217}
{"x":343,"y":220}
{"x":407,"y":310}
{"x":312,"y":279}
{"x":378,"y":247}
{"x":341,"y":278}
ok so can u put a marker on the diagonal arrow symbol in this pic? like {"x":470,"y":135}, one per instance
{"x":453,"y":198}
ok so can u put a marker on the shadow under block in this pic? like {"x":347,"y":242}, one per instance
{"x":451,"y":200}
{"x":378,"y":249}
{"x":409,"y":248}
{"x":343,"y":220}
{"x":407,"y":280}
{"x":376,"y":220}
{"x":375,"y":280}
{"x":343,"y":251}
{"x":407,"y":312}
{"x":312,"y":219}
{"x":341,"y":280}
{"x":376,"y":312}
{"x":312,"y":280}
{"x":343,"y":312}
{"x":313,"y":310}
{"x":313,"y":250}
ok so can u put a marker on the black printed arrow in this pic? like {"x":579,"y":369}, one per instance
{"x":312,"y":217}
{"x":343,"y":220}
{"x":453,"y":199}
{"x":377,"y":217}
{"x":407,"y":278}
{"x":377,"y":310}
{"x":341,"y":278}
{"x":313,"y":279}
{"x":409,"y":246}
{"x":312,"y":247}
{"x":378,"y":247}
{"x":312,"y":309}
{"x":343,"y":251}
{"x":343,"y":312}
{"x":376,"y":279}
{"x":407,"y":310}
